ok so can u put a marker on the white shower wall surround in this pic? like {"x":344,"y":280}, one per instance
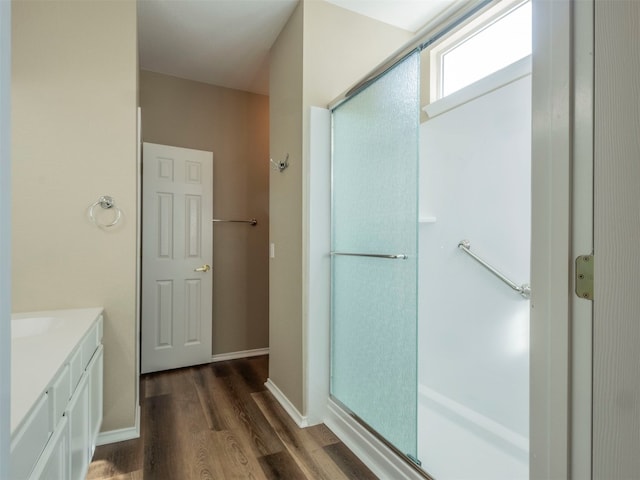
{"x":473,"y":334}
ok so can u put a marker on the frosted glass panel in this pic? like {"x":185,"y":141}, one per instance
{"x":374,"y":313}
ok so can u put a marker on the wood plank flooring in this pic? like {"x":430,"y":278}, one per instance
{"x":218,"y":421}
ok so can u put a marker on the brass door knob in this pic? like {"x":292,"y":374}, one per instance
{"x":203,"y":268}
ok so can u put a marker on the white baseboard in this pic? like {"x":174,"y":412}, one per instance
{"x":121,"y":434}
{"x":293,"y":412}
{"x":221,"y":357}
{"x":382,"y":461}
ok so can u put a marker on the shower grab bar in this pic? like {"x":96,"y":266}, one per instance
{"x":524,"y":289}
{"x":252,"y":221}
{"x":398,"y":256}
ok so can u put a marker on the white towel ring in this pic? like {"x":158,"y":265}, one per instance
{"x":106,"y":203}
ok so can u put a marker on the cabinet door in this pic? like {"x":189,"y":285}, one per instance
{"x":78,"y":414}
{"x":31,"y":440}
{"x":95,"y":396}
{"x":54,"y":462}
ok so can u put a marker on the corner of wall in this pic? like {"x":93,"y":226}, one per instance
{"x":321,"y":51}
{"x":285,"y":211}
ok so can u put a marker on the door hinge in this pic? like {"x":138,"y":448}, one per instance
{"x":584,"y":276}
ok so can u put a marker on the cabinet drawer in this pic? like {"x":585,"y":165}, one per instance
{"x":89,"y":345}
{"x":76,"y":368}
{"x":100,"y":328}
{"x":30,"y":440}
{"x":60,"y":392}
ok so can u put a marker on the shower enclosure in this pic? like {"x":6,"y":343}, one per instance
{"x":429,"y":267}
{"x":374,"y":250}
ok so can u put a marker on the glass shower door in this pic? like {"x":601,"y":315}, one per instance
{"x":374,"y":255}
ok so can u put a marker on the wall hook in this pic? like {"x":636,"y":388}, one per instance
{"x":280,"y":166}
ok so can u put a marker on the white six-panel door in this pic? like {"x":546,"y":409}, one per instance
{"x":177,"y":253}
{"x":616,"y":303}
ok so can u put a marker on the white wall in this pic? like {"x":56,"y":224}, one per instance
{"x":475,"y":179}
{"x":317,"y":337}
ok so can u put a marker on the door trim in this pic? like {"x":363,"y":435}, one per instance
{"x":138,"y":346}
{"x":550,"y":335}
{"x":5,"y":238}
{"x":582,"y":238}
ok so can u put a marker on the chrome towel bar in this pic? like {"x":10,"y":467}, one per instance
{"x":524,"y":289}
{"x":398,"y":256}
{"x":252,"y":221}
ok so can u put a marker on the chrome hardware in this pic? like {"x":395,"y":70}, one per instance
{"x":279,"y":166}
{"x":524,"y":289}
{"x":397,"y":256}
{"x":106,"y":202}
{"x":203,"y":268}
{"x":252,"y":221}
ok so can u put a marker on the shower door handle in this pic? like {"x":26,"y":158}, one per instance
{"x":391,"y":256}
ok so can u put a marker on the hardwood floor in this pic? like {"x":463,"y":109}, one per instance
{"x":218,"y":421}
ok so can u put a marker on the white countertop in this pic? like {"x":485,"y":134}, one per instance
{"x":35,"y":360}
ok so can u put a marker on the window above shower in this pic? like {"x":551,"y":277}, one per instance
{"x":485,"y":53}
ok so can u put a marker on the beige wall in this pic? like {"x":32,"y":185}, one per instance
{"x":285,"y":207}
{"x":234,"y":125}
{"x":322,"y":51}
{"x":340,"y":48}
{"x":74,"y":139}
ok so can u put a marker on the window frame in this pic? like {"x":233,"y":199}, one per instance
{"x":457,"y":37}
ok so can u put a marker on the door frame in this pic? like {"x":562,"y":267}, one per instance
{"x":138,"y":299}
{"x":562,"y":228}
{"x":550,"y":241}
{"x":581,"y":347}
{"x":5,"y":237}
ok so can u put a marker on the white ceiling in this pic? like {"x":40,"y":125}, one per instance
{"x":227,"y":42}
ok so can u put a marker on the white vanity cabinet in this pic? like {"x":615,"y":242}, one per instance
{"x":78,"y":413}
{"x":54,"y":462}
{"x":95,"y":380}
{"x":85,"y":417}
{"x":56,"y":438}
